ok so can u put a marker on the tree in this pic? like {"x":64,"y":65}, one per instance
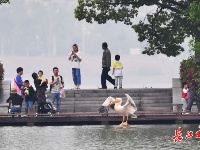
{"x":194,"y":11}
{"x":190,"y":68}
{"x":4,"y":1}
{"x":163,"y":30}
{"x":1,"y":65}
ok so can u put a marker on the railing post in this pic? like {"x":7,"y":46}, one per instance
{"x":176,"y":94}
{"x":30,"y":119}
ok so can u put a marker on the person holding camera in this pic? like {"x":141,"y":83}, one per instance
{"x":106,"y":64}
{"x":75,"y":58}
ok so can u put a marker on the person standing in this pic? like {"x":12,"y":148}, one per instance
{"x":117,"y":71}
{"x":75,"y":58}
{"x":40,"y":91}
{"x":106,"y":64}
{"x":193,"y":96}
{"x":184,"y":96}
{"x":56,"y":84}
{"x":18,"y":82}
{"x":29,"y":94}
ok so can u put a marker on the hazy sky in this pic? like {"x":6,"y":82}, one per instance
{"x":48,"y":28}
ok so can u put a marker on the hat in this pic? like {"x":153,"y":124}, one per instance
{"x":13,"y":90}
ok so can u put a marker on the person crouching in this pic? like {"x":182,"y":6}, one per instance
{"x":15,"y":100}
{"x":29,"y":94}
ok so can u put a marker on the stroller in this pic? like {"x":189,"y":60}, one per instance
{"x":49,"y":107}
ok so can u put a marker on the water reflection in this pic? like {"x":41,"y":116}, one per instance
{"x":135,"y":137}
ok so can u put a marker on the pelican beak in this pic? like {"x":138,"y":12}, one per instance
{"x":117,"y":100}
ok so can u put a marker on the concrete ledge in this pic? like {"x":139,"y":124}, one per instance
{"x":176,"y":91}
{"x":176,"y":82}
{"x":153,"y":118}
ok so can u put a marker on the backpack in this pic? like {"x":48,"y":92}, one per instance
{"x":53,"y":80}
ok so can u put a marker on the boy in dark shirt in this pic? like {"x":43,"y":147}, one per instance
{"x":15,"y":100}
{"x":29,"y":94}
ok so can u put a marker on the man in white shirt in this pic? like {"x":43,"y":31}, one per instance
{"x":56,"y":84}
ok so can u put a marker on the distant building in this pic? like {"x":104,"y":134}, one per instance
{"x":135,"y":51}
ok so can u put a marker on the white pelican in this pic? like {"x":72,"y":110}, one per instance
{"x":127,"y":109}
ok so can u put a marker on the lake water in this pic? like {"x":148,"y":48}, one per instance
{"x":134,"y":137}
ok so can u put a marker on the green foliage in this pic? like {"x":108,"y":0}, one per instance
{"x":194,"y":45}
{"x":164,"y":30}
{"x":4,"y":1}
{"x":190,"y":68}
{"x":190,"y":72}
{"x":194,"y":10}
{"x":1,"y":71}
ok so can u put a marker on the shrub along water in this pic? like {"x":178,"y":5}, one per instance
{"x":1,"y":71}
{"x":190,"y":72}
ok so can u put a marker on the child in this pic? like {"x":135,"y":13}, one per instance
{"x":41,"y":77}
{"x":184,"y":96}
{"x":117,"y":71}
{"x":15,"y":100}
{"x":29,"y":94}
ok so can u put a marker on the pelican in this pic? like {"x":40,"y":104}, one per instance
{"x":128,"y":109}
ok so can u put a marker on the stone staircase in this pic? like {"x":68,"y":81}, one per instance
{"x":90,"y":100}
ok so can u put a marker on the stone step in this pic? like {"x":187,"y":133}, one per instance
{"x":137,"y":90}
{"x":156,"y":101}
{"x":123,"y":98}
{"x":94,"y":108}
{"x":157,"y":105}
{"x":119,"y":95}
{"x":156,"y":98}
{"x":102,"y":99}
{"x":155,"y":109}
{"x":90,"y":100}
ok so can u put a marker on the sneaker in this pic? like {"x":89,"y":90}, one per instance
{"x":103,"y":88}
{"x":57,"y":113}
{"x":115,"y":87}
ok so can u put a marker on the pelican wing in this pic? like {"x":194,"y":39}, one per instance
{"x":108,"y":101}
{"x":130,"y":104}
{"x":105,"y":106}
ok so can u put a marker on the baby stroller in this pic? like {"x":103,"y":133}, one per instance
{"x":49,"y":108}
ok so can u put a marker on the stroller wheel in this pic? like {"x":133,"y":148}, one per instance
{"x":49,"y":113}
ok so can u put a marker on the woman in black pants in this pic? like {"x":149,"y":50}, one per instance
{"x":40,"y":90}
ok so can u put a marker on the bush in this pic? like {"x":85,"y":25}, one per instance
{"x":190,"y":72}
{"x":1,"y":71}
